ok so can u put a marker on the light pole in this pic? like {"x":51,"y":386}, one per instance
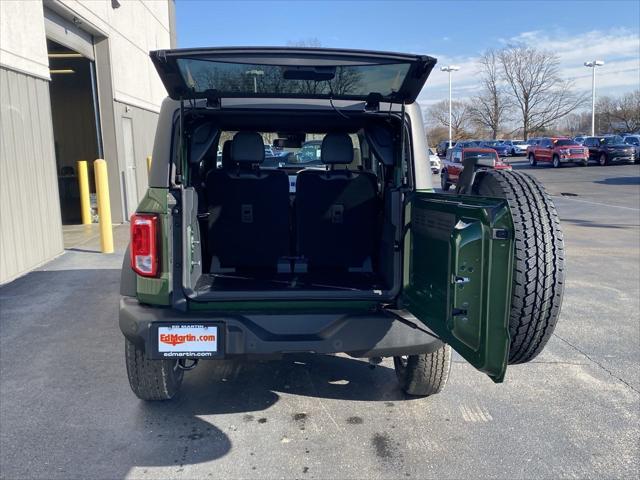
{"x":593,"y":64}
{"x":449,"y":69}
{"x":255,"y":74}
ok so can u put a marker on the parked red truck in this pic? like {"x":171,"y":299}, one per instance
{"x":556,"y":151}
{"x":453,"y":164}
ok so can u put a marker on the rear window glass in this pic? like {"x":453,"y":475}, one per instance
{"x":611,"y":140}
{"x":243,"y":79}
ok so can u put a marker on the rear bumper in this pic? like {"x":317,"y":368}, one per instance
{"x":372,"y":334}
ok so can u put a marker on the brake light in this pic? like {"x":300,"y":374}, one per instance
{"x":144,"y":244}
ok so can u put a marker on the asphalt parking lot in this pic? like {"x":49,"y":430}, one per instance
{"x":66,"y":410}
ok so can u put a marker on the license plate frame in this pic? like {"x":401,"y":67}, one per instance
{"x":177,"y":346}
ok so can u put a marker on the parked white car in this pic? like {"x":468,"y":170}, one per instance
{"x":517,"y":147}
{"x":434,"y":161}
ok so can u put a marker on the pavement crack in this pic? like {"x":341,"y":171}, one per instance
{"x":592,"y":360}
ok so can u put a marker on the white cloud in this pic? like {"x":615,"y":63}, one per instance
{"x":619,"y":48}
{"x":595,"y":44}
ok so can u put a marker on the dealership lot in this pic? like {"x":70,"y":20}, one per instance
{"x":67,"y":410}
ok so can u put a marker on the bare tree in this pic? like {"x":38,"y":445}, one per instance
{"x":437,"y":134}
{"x":490,"y":108}
{"x":438,"y":115}
{"x":575,"y":124}
{"x":536,"y":88}
{"x":621,"y":114}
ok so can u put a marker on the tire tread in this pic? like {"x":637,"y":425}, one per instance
{"x":539,"y":268}
{"x":425,"y":374}
{"x":151,"y":379}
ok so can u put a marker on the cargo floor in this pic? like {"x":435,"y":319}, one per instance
{"x":349,"y":281}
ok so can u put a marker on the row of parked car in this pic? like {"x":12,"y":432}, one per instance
{"x":505,"y":148}
{"x":556,"y":151}
{"x":604,"y":150}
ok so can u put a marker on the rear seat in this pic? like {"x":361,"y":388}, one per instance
{"x":336,"y":211}
{"x":248,"y":210}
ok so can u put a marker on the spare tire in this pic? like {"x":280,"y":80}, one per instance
{"x":538,"y":270}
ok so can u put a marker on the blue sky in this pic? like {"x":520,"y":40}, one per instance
{"x":454,"y":32}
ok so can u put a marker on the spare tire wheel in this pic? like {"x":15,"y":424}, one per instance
{"x":538,"y":270}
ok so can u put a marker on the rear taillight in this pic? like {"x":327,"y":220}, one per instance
{"x":144,"y":244}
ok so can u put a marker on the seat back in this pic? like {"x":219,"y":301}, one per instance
{"x":248,"y":223}
{"x":336,"y":210}
{"x":227,"y":163}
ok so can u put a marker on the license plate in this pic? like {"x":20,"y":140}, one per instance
{"x":188,"y":341}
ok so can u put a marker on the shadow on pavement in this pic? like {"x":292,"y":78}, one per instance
{"x":323,"y":376}
{"x":589,"y":223}
{"x":619,"y":181}
{"x":67,"y":410}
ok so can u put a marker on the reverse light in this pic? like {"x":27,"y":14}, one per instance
{"x":144,"y":244}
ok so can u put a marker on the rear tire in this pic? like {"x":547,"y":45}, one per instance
{"x":444,"y":184}
{"x":151,"y":379}
{"x":425,"y":374}
{"x":538,"y":270}
{"x":532,"y":160}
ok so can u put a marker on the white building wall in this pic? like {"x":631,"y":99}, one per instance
{"x":23,"y":45}
{"x":30,"y":224}
{"x":133,"y":29}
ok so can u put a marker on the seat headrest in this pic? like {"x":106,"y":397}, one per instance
{"x":247,"y":147}
{"x":337,"y":148}
{"x":227,"y":163}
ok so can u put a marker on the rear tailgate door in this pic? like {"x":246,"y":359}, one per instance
{"x":279,"y":72}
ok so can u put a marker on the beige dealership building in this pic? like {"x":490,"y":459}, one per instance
{"x":76,"y":83}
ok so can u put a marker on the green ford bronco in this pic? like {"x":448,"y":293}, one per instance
{"x":349,"y":250}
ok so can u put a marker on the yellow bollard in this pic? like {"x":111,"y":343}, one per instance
{"x":83,"y":184}
{"x":149,"y":163}
{"x":104,"y":207}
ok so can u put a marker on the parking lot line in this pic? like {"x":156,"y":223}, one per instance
{"x":598,"y":203}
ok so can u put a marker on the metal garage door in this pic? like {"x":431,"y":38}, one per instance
{"x":66,"y":33}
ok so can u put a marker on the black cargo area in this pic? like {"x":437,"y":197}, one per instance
{"x":279,"y":224}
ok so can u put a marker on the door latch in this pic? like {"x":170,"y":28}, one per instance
{"x":500,"y":234}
